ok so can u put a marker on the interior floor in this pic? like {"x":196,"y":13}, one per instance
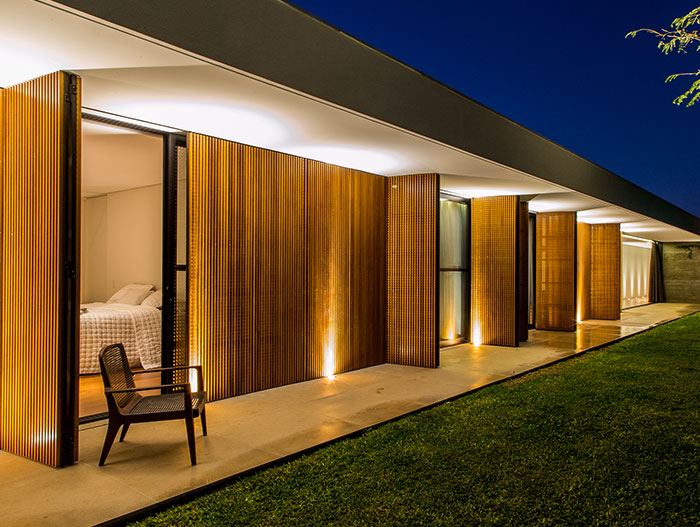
{"x":91,"y":399}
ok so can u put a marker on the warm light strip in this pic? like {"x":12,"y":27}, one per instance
{"x":624,"y":234}
{"x":120,"y":119}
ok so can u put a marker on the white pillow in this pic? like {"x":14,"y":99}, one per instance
{"x":132,"y":294}
{"x":155,"y":299}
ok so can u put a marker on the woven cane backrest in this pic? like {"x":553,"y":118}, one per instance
{"x":117,"y":374}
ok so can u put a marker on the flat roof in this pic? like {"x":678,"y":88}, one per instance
{"x":278,"y":42}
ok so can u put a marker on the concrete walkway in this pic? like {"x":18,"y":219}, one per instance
{"x":245,"y":432}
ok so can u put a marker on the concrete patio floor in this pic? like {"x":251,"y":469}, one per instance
{"x":245,"y":432}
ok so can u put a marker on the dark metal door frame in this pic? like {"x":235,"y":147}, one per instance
{"x":170,"y":266}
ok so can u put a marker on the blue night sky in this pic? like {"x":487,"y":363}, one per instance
{"x":563,"y":70}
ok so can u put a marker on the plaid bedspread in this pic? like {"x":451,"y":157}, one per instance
{"x":136,"y":327}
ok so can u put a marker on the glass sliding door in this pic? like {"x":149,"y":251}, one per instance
{"x":454,"y":271}
{"x":636,"y":257}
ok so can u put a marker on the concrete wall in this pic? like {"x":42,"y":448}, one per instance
{"x":681,"y":265}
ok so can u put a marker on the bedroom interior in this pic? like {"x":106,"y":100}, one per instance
{"x":121,"y":252}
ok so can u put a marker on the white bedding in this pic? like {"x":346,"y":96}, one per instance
{"x":136,"y":327}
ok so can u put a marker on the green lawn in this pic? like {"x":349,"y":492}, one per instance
{"x":609,"y":438}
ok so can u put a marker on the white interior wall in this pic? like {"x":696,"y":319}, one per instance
{"x":635,"y":273}
{"x":121,"y":220}
{"x":122,"y":244}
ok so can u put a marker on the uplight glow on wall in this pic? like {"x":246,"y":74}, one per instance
{"x":476,"y":331}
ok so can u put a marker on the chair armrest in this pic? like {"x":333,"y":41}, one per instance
{"x":198,"y":367}
{"x":186,"y":386}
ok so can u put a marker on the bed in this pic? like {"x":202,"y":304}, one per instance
{"x":137,"y":327}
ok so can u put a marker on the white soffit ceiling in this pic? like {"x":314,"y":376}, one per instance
{"x":116,"y":159}
{"x":142,"y":79}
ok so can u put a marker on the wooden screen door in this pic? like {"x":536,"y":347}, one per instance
{"x":39,"y":310}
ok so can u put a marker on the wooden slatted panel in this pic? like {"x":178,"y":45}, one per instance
{"x":368,"y":272}
{"x":494,"y":282}
{"x":246,"y":263}
{"x":605,"y":271}
{"x":556,"y":271}
{"x":329,"y":216}
{"x":412,"y":208}
{"x":346,"y":269}
{"x":583,"y":271}
{"x":33,"y":376}
{"x":281,"y":280}
{"x":287,"y":267}
{"x":523,"y":247}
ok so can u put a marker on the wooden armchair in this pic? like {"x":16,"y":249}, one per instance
{"x":127,"y":406}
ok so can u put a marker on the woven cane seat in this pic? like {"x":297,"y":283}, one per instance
{"x":170,"y":402}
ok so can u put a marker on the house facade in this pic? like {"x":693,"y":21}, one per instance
{"x":319,"y":206}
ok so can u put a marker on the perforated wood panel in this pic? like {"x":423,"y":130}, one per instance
{"x":38,"y":325}
{"x":523,"y":225}
{"x":246,"y":266}
{"x":494,"y":267}
{"x":556,"y":271}
{"x":346,"y":261}
{"x":287,"y":267}
{"x":583,"y":271}
{"x":412,"y":208}
{"x":605,"y":271}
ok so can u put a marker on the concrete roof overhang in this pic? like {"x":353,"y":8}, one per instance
{"x":267,"y":74}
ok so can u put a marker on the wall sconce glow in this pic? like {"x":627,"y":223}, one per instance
{"x":373,"y":161}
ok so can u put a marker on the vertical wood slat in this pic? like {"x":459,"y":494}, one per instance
{"x":412,"y":215}
{"x":523,"y":268}
{"x":583,"y":271}
{"x":2,"y":235}
{"x":494,"y":281}
{"x":606,"y":246}
{"x":286,"y":267}
{"x":556,"y":271}
{"x":33,"y":172}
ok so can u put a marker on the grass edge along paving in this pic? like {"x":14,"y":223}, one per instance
{"x":608,"y":438}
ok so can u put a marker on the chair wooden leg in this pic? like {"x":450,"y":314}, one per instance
{"x":204,"y":422}
{"x":124,"y":429}
{"x":189,"y":421}
{"x":112,"y":429}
